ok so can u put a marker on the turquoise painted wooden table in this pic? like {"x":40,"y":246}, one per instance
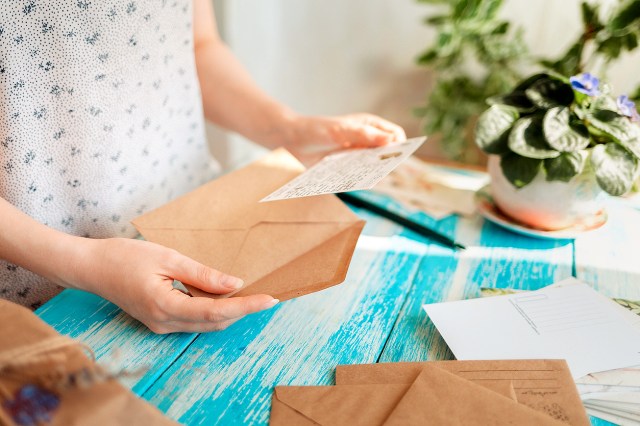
{"x":375,"y":316}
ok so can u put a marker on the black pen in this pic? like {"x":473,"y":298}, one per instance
{"x":407,"y":223}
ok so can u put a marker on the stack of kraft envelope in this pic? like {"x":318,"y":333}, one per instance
{"x":285,"y":249}
{"x":514,"y":392}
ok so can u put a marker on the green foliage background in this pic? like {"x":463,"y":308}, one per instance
{"x":471,"y":31}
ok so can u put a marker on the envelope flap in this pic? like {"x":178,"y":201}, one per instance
{"x":232,"y":201}
{"x":282,"y":414}
{"x":440,"y":397}
{"x":532,"y":380}
{"x":217,"y":249}
{"x":337,"y":405}
{"x":323,"y":266}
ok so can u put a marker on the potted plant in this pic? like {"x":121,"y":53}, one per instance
{"x":477,"y":53}
{"x":556,"y":145}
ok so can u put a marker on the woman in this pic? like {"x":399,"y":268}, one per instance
{"x":103,"y":120}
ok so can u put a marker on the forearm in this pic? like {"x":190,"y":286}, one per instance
{"x":231,"y":99}
{"x":36,"y":247}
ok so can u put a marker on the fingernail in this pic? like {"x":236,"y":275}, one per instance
{"x":271,"y":303}
{"x":232,"y":282}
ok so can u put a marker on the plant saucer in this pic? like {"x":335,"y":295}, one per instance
{"x":490,"y":211}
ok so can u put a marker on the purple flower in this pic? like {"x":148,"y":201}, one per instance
{"x":586,"y":83}
{"x":628,"y":107}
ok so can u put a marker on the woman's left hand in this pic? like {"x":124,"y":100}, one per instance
{"x":314,"y":136}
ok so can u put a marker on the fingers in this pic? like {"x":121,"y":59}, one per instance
{"x":368,"y":136}
{"x":198,"y":327}
{"x":178,"y":306}
{"x":188,"y":271}
{"x":396,"y":131}
{"x":387,"y":126}
{"x":370,"y":130}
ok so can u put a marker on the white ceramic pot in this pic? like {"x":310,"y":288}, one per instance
{"x":546,"y":205}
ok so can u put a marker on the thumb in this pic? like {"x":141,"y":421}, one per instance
{"x":188,"y":271}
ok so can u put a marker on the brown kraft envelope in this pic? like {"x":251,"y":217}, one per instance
{"x":544,"y":385}
{"x":86,"y":396}
{"x":434,"y":396}
{"x":439,"y":397}
{"x":282,"y":248}
{"x":354,"y":405}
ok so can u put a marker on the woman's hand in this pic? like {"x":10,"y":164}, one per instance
{"x":138,"y":276}
{"x":232,"y":100}
{"x":310,"y":136}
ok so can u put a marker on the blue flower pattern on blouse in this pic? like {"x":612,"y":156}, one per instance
{"x":101,"y":117}
{"x":32,"y":405}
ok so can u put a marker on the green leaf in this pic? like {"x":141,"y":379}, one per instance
{"x":631,"y":41}
{"x":501,"y":29}
{"x":614,"y":167}
{"x":626,"y":16}
{"x":632,"y":305}
{"x":473,"y":30}
{"x":427,"y":57}
{"x":611,"y":46}
{"x":518,"y":170}
{"x":529,"y":81}
{"x":550,"y":64}
{"x":444,"y":39}
{"x":465,"y":9}
{"x":580,"y":113}
{"x":493,"y":128}
{"x":437,"y":20}
{"x":590,"y":17}
{"x":604,"y":102}
{"x":617,"y":127}
{"x":570,"y":62}
{"x":518,"y":100}
{"x":547,"y":93}
{"x":527,"y":139}
{"x":562,"y":134}
{"x":636,"y":95}
{"x":564,"y":167}
{"x":491,"y":8}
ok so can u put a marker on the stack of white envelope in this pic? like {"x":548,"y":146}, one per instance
{"x":612,"y":395}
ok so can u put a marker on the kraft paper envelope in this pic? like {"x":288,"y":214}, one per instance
{"x":439,"y":397}
{"x":285,"y":248}
{"x":544,"y":385}
{"x":357,"y":405}
{"x":443,"y":394}
{"x":63,"y":371}
{"x":297,"y":404}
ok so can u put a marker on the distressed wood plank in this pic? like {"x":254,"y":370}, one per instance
{"x":377,"y":314}
{"x":119,"y":341}
{"x":513,"y":261}
{"x":495,"y":257}
{"x":227,"y":377}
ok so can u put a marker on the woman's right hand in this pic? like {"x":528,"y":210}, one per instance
{"x":138,"y":277}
